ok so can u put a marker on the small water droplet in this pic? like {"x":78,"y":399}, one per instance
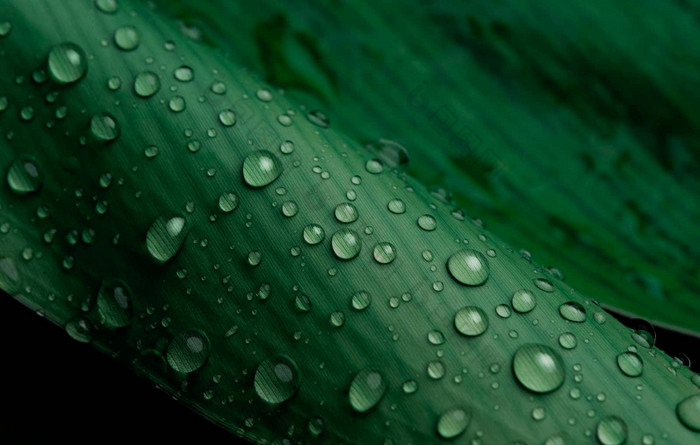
{"x":390,"y":152}
{"x":5,"y":28}
{"x":409,"y":387}
{"x":346,"y":213}
{"x":538,"y":368}
{"x":261,"y":168}
{"x":523,"y":301}
{"x":107,"y":6}
{"x":264,"y":95}
{"x":67,"y":63}
{"x":503,"y":311}
{"x":104,"y":127}
{"x":114,"y":304}
{"x":630,"y":363}
{"x":188,"y":351}
{"x":346,"y":244}
{"x":366,"y":390}
{"x":184,"y":73}
{"x":384,"y":253}
{"x":471,"y":321}
{"x":318,"y":118}
{"x":277,"y":379}
{"x":79,"y":329}
{"x":573,"y":312}
{"x":396,"y":206}
{"x":567,"y":340}
{"x":544,"y":284}
{"x":313,"y":234}
{"x":287,"y":147}
{"x":611,"y":430}
{"x":302,"y":303}
{"x":228,"y":202}
{"x":337,"y":319}
{"x":146,"y":84}
{"x":374,"y":166}
{"x":436,"y":337}
{"x":127,"y":38}
{"x":24,"y":176}
{"x":165,"y":237}
{"x":688,"y":412}
{"x":468,"y":267}
{"x":361,"y":300}
{"x":427,"y":223}
{"x":227,"y":118}
{"x":453,"y":423}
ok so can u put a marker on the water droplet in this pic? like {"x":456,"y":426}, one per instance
{"x":390,"y":152}
{"x":688,"y":412}
{"x":67,"y":63}
{"x":361,"y":300}
{"x":316,"y":426}
{"x":177,"y":104}
{"x":79,"y":329}
{"x":318,"y":118}
{"x":114,"y":304}
{"x":287,"y":147}
{"x":384,"y":253}
{"x":184,"y":73}
{"x":346,"y":213}
{"x":228,"y":202}
{"x":107,"y":6}
{"x":544,"y":284}
{"x":503,"y":311}
{"x":227,"y":118}
{"x":366,"y":390}
{"x":165,"y":237}
{"x":346,"y":244}
{"x":539,"y":413}
{"x":471,"y":321}
{"x":254,"y":258}
{"x":261,"y":168}
{"x":538,"y":368}
{"x":264,"y":95}
{"x":9,"y":275}
{"x":453,"y":423}
{"x":573,"y":312}
{"x":127,"y":38}
{"x":5,"y":29}
{"x":630,"y":363}
{"x":337,"y":319}
{"x":427,"y":223}
{"x":436,"y":337}
{"x":396,"y":206}
{"x":188,"y":351}
{"x":26,"y":113}
{"x":643,"y":333}
{"x":409,"y":386}
{"x":277,"y":379}
{"x":523,"y":301}
{"x":314,"y":234}
{"x":567,"y":340}
{"x":104,"y":127}
{"x":146,"y":84}
{"x":611,"y":430}
{"x":302,"y":303}
{"x":374,"y":166}
{"x":468,"y":267}
{"x":24,"y":176}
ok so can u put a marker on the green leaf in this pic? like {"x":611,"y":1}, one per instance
{"x":279,"y":288}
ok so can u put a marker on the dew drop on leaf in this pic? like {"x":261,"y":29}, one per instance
{"x":165,"y":237}
{"x":523,"y":301}
{"x":573,"y":312}
{"x":114,"y":304}
{"x":611,"y":430}
{"x":468,"y":267}
{"x":127,"y":38}
{"x":107,"y":6}
{"x":630,"y":363}
{"x":346,"y":244}
{"x":227,"y":118}
{"x":313,"y":234}
{"x":360,"y":300}
{"x":427,"y":223}
{"x":24,"y":176}
{"x":104,"y":127}
{"x":567,"y":340}
{"x":544,"y":284}
{"x":471,"y":321}
{"x":688,"y":412}
{"x":184,"y":73}
{"x":67,"y":63}
{"x":384,"y":253}
{"x":318,"y":118}
{"x":538,"y":368}
{"x":188,"y":351}
{"x":366,"y":390}
{"x":453,"y":423}
{"x":261,"y":168}
{"x":146,"y":84}
{"x":276,"y":379}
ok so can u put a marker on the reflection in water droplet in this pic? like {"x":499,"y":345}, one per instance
{"x":114,"y":304}
{"x":188,"y":351}
{"x":177,"y":104}
{"x":165,"y":237}
{"x":468,"y":267}
{"x":611,"y":430}
{"x":409,"y":386}
{"x":24,"y":176}
{"x":573,"y":312}
{"x":67,"y":63}
{"x":396,"y":206}
{"x":261,"y":168}
{"x":337,"y":319}
{"x":374,"y":166}
{"x":107,"y":6}
{"x":366,"y":390}
{"x":346,"y":244}
{"x":471,"y":321}
{"x":453,"y":423}
{"x":277,"y":379}
{"x":79,"y":329}
{"x":538,"y":368}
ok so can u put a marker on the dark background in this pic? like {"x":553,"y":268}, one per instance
{"x":56,"y":389}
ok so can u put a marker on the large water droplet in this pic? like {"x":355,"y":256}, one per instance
{"x":67,"y":63}
{"x":346,"y":213}
{"x":523,"y":301}
{"x":314,"y":234}
{"x":453,"y":423}
{"x":261,"y":168}
{"x":396,"y":206}
{"x":361,"y":300}
{"x":427,"y":223}
{"x":277,"y":379}
{"x":538,"y":368}
{"x":468,"y":267}
{"x":228,"y":202}
{"x":227,"y":118}
{"x":611,"y":430}
{"x":24,"y":176}
{"x":146,"y":84}
{"x":366,"y":390}
{"x":114,"y":304}
{"x":127,"y":38}
{"x":188,"y":351}
{"x":643,"y":333}
{"x":630,"y":363}
{"x":390,"y":152}
{"x":384,"y":253}
{"x":346,"y":244}
{"x":688,"y":412}
{"x":104,"y":127}
{"x":471,"y":321}
{"x":165,"y":237}
{"x":573,"y":311}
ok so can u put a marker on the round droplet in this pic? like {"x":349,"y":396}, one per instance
{"x":436,"y":337}
{"x":468,"y":267}
{"x":503,"y":311}
{"x":396,"y":206}
{"x":390,"y":152}
{"x":538,"y":368}
{"x":611,"y":430}
{"x":67,"y":63}
{"x":287,"y":147}
{"x":261,"y":168}
{"x":107,"y":6}
{"x":289,"y":208}
{"x":146,"y":84}
{"x":346,"y":213}
{"x":264,"y":95}
{"x":318,"y":118}
{"x":5,"y":28}
{"x":79,"y":329}
{"x":337,"y":319}
{"x":688,"y":412}
{"x":184,"y":73}
{"x":9,"y":275}
{"x":374,"y":166}
{"x":567,"y":340}
{"x":471,"y":321}
{"x":104,"y":127}
{"x":643,"y":333}
{"x":114,"y":304}
{"x":573,"y":312}
{"x":314,"y":234}
{"x":544,"y":284}
{"x":409,"y":386}
{"x":316,"y":426}
{"x":630,"y":363}
{"x":366,"y":390}
{"x":177,"y":104}
{"x":228,"y":202}
{"x":453,"y":423}
{"x":277,"y":379}
{"x":165,"y":237}
{"x":188,"y":351}
{"x":227,"y":118}
{"x":361,"y":300}
{"x":427,"y":223}
{"x":384,"y":253}
{"x":24,"y":176}
{"x":127,"y":38}
{"x":302,"y":303}
{"x":523,"y":301}
{"x":346,"y":244}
